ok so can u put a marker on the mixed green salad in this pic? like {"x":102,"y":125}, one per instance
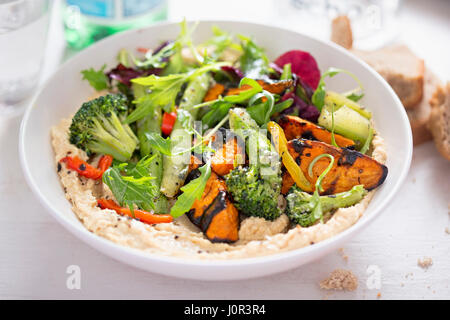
{"x":218,"y":132}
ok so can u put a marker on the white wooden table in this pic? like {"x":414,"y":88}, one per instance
{"x":35,"y":250}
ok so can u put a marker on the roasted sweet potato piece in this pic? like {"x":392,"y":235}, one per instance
{"x":214,"y":92}
{"x":286,"y":183}
{"x":214,"y":213}
{"x":221,"y":220}
{"x":350,"y":167}
{"x":296,"y":127}
{"x":194,"y":163}
{"x":222,"y":162}
{"x":277,"y":87}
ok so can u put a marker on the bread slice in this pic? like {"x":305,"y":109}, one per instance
{"x":439,"y":123}
{"x":341,"y":32}
{"x":401,"y":68}
{"x":420,"y":115}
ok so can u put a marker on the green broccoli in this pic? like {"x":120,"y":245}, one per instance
{"x":301,"y":205}
{"x":252,"y":195}
{"x":256,"y":188}
{"x":98,"y":127}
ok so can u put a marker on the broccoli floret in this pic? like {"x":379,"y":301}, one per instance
{"x":301,"y":205}
{"x":253,"y":195}
{"x":98,"y":127}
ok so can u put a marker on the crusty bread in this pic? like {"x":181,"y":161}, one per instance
{"x":341,"y":32}
{"x":401,"y":68}
{"x":439,"y":123}
{"x":419,"y":116}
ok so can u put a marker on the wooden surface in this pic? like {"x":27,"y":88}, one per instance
{"x":35,"y":251}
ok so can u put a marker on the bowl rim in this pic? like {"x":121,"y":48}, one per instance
{"x":96,"y":241}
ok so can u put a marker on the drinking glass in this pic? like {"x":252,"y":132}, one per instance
{"x":23,"y":37}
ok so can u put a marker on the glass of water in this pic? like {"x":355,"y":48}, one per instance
{"x":23,"y":37}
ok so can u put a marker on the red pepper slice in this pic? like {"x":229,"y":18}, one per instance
{"x":85,"y":169}
{"x":144,"y":216}
{"x":168,"y":121}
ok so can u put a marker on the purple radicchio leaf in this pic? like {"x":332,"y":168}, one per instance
{"x":125,"y":75}
{"x":235,"y":73}
{"x":300,"y":108}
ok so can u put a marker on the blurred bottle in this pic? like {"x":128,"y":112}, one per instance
{"x":86,"y":21}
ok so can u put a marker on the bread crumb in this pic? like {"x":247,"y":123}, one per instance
{"x":425,"y":262}
{"x":343,"y":255}
{"x":340,"y":279}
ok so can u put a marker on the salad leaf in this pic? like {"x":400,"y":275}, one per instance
{"x":159,"y":143}
{"x":221,"y":40}
{"x":124,"y":74}
{"x":261,"y":112}
{"x":164,"y":90}
{"x":191,"y":192}
{"x":254,"y":62}
{"x":217,"y":112}
{"x":318,"y":97}
{"x":245,"y":95}
{"x":159,"y":58}
{"x":97,"y":79}
{"x":135,"y":188}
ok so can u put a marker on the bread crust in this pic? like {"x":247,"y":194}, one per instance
{"x":439,"y":123}
{"x":341,"y":32}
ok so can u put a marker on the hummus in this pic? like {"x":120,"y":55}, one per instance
{"x":258,"y":237}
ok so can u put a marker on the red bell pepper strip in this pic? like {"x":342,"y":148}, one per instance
{"x":85,"y":169}
{"x":168,"y":121}
{"x":143,"y":216}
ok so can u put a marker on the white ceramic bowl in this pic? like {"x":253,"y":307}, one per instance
{"x":65,"y":92}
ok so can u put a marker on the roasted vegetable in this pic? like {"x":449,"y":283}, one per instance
{"x":300,"y":204}
{"x":275,"y":87}
{"x":253,"y":195}
{"x":256,"y":188}
{"x":350,"y":167}
{"x":98,"y":127}
{"x":295,"y":127}
{"x":176,"y":166}
{"x":214,"y":213}
{"x":293,"y":170}
{"x":85,"y":169}
{"x":286,"y":183}
{"x":143,"y":216}
{"x":224,"y":159}
{"x":214,"y":92}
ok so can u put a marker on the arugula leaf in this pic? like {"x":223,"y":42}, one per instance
{"x":254,"y":62}
{"x":136,"y":188}
{"x":97,"y":79}
{"x":280,"y":106}
{"x":262,"y":111}
{"x":159,"y":143}
{"x":218,"y":111}
{"x":191,"y":192}
{"x":164,"y":90}
{"x":318,"y":97}
{"x":245,"y":95}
